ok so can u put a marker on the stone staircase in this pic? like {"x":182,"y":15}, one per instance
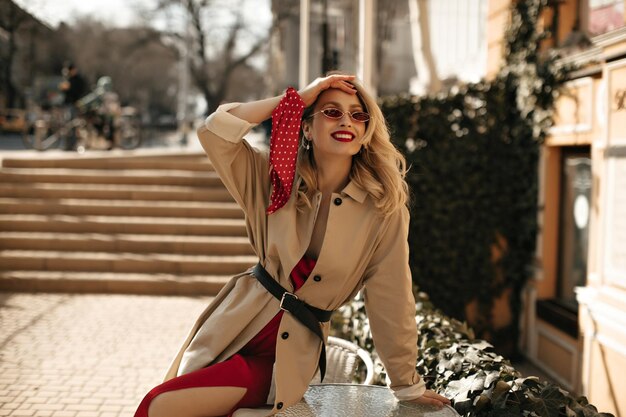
{"x":145,"y":224}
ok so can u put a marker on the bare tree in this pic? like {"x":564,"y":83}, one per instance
{"x":11,"y":18}
{"x":143,"y":68}
{"x":427,"y":78}
{"x":22,"y":39}
{"x":216,"y":44}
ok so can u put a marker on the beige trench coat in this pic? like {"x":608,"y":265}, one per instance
{"x":361,"y":250}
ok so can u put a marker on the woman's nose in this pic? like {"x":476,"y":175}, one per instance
{"x":346,"y":120}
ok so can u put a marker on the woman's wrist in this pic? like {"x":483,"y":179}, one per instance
{"x":256,"y":111}
{"x":411,"y":392}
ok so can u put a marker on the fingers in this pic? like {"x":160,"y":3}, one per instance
{"x":429,"y":401}
{"x":432,"y":398}
{"x":340,"y":77}
{"x":433,"y":395}
{"x":341,"y":82}
{"x":344,"y":86}
{"x":309,"y":93}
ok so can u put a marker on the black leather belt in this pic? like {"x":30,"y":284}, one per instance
{"x":306,"y":314}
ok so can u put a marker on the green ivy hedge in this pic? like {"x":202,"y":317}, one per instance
{"x":474,"y":186}
{"x":454,"y":363}
{"x":473,"y":155}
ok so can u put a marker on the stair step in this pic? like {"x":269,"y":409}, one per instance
{"x":143,"y":154}
{"x":190,"y":162}
{"x":121,"y":208}
{"x":110,"y":176}
{"x":115,"y":192}
{"x":122,"y":224}
{"x":150,"y":158}
{"x":123,"y":262}
{"x":138,"y":222}
{"x":111,"y":282}
{"x":96,"y":242}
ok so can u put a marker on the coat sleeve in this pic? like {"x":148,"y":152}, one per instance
{"x":244,"y":170}
{"x":390,"y":307}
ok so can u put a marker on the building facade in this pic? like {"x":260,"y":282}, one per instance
{"x":575,"y":306}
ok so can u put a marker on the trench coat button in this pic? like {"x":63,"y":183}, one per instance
{"x":338,"y":201}
{"x":285,"y":335}
{"x":317,"y":278}
{"x":279,"y":406}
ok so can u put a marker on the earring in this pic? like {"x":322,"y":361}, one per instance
{"x":306,"y":144}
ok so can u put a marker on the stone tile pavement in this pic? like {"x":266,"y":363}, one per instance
{"x":87,"y":355}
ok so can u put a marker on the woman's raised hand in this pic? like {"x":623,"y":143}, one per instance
{"x":310,"y":92}
{"x":257,"y":111}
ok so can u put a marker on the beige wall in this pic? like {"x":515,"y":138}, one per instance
{"x":497,"y":19}
{"x":603,"y":319}
{"x":547,"y":245}
{"x":555,"y":352}
{"x":590,"y":113}
{"x":558,"y":354}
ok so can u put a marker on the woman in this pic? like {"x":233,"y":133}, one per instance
{"x":336,"y":222}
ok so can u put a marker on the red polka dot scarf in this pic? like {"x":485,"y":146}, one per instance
{"x":286,"y":119}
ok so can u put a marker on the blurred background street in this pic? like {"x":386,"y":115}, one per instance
{"x":157,"y":139}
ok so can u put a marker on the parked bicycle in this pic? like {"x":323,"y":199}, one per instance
{"x":89,"y":130}
{"x":94,"y":121}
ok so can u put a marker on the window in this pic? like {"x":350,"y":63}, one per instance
{"x":574,"y":223}
{"x":573,"y":234}
{"x":605,"y":16}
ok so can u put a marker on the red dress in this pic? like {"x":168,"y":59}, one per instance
{"x":250,"y":368}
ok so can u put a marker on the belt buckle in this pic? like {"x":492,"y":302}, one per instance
{"x":282,"y":300}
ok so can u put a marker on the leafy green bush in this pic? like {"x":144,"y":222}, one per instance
{"x":452,"y":362}
{"x":473,"y":179}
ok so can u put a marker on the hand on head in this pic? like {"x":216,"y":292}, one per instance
{"x":310,"y":93}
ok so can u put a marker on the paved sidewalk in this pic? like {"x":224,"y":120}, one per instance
{"x":83,"y":355}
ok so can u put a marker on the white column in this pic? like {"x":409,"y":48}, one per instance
{"x":182,"y":115}
{"x":367,"y":45}
{"x":303,"y":71}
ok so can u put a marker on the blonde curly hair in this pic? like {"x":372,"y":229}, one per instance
{"x":379,"y":168}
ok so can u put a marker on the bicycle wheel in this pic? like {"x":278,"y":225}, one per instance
{"x":129,"y":135}
{"x":41,"y":136}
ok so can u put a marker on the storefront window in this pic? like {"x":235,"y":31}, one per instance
{"x":605,"y":16}
{"x":574,"y":225}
